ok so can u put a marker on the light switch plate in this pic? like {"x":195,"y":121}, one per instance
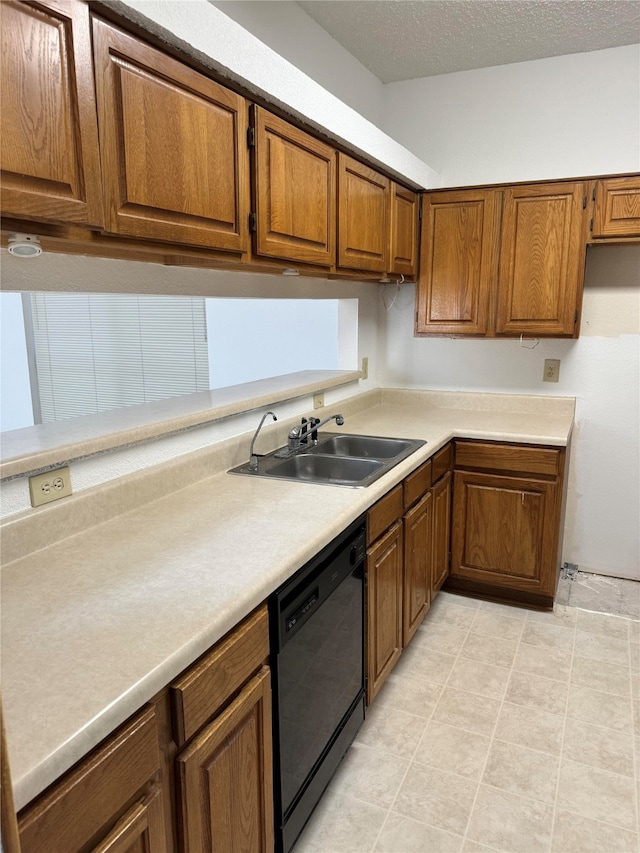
{"x":51,"y":486}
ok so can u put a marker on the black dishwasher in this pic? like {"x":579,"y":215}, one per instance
{"x":317,"y":643}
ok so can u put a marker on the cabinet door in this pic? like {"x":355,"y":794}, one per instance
{"x":418,"y":527}
{"x":505,"y":531}
{"x":441,"y":531}
{"x":295,"y":192}
{"x":225,"y":778}
{"x":363,"y":217}
{"x":617,"y":210}
{"x":174,"y":155}
{"x":50,"y":161}
{"x":542,"y":258}
{"x":384,"y":608}
{"x":141,"y":829}
{"x":404,"y":231}
{"x":458,"y":260}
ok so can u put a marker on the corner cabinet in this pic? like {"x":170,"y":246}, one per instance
{"x":503,"y":261}
{"x":49,"y":138}
{"x":294,"y":178}
{"x":405,"y":208}
{"x":173,"y":147}
{"x":507,"y":507}
{"x":363,"y":217}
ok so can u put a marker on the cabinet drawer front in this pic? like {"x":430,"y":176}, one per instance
{"x":201,"y":692}
{"x":87,"y":798}
{"x":416,"y":484}
{"x":507,"y":457}
{"x":442,"y":462}
{"x":383,"y":514}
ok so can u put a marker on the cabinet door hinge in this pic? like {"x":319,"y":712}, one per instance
{"x":449,"y":559}
{"x":584,"y":202}
{"x":591,"y":224}
{"x":253,"y":222}
{"x":575,"y":317}
{"x":593,"y":194}
{"x":251,"y":137}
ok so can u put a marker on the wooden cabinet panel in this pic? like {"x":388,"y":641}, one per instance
{"x":441,"y":532}
{"x":418,"y":526}
{"x":527,"y":459}
{"x":295,"y":191}
{"x":363,"y":217}
{"x":404,"y":231}
{"x":49,"y":137}
{"x":505,"y":531}
{"x":174,"y":156}
{"x":416,"y":484}
{"x":384,"y":513}
{"x":617,"y":209}
{"x":141,"y":830}
{"x":384,"y":608}
{"x":542,"y":259}
{"x":200,"y":693}
{"x":458,"y":262}
{"x":225,"y":778}
{"x":83,"y":807}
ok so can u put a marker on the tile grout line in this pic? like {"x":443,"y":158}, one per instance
{"x":492,"y":736}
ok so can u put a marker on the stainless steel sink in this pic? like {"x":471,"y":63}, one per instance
{"x":342,"y":470}
{"x":364,"y":446}
{"x":337,"y":459}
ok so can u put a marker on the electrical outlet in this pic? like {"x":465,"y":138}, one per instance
{"x":318,"y":401}
{"x":51,"y":486}
{"x":365,"y":369}
{"x":551,"y":370}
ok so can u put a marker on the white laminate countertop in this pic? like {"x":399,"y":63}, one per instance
{"x":97,"y":624}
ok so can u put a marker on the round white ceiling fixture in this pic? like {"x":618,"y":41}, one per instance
{"x":24,"y":245}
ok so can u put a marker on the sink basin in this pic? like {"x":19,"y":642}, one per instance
{"x":338,"y":459}
{"x":325,"y":469}
{"x":364,"y":446}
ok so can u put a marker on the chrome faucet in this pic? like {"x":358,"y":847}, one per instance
{"x":298,"y":435}
{"x":253,"y":457}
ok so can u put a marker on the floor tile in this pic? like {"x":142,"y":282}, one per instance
{"x":596,"y":746}
{"x":540,"y":660}
{"x":505,"y":609}
{"x":487,"y":649}
{"x":453,"y":749}
{"x":523,"y":771}
{"x":548,"y":635}
{"x":597,"y":794}
{"x":371,"y":775}
{"x":610,"y":678}
{"x":477,"y":677}
{"x":440,"y":636}
{"x":492,"y":624}
{"x":409,"y":836}
{"x":452,"y":614}
{"x":507,"y":822}
{"x":600,"y":623}
{"x":391,"y":730}
{"x":561,"y":619}
{"x":467,"y":711}
{"x":409,"y":695}
{"x":575,"y":834}
{"x":537,"y":692}
{"x":443,"y":800}
{"x":425,"y":664}
{"x":600,"y":647}
{"x":601,"y":709}
{"x":341,"y":824}
{"x":530,"y":727}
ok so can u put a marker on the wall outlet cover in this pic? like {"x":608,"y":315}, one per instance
{"x":50,"y":486}
{"x":365,"y":368}
{"x":551,"y":370}
{"x":318,"y":401}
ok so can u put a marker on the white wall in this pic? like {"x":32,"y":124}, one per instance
{"x":288,"y":30}
{"x":567,"y":116}
{"x":550,"y":118}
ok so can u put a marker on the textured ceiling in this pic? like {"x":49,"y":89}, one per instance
{"x":405,"y":39}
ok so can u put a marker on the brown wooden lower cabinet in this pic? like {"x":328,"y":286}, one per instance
{"x":441,"y":531}
{"x":506,"y":521}
{"x":418,"y":527}
{"x":141,"y":829}
{"x":225,"y":778}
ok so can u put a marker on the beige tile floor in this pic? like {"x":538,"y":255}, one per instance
{"x":500,"y":729}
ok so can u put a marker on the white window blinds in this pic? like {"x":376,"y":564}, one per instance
{"x":95,"y":352}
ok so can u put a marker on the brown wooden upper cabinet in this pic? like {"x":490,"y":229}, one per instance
{"x":457,"y":264}
{"x":404,"y":231}
{"x":617,"y":208}
{"x":294,"y":192}
{"x":363,"y":217}
{"x":174,"y":156}
{"x":523,"y":277}
{"x":49,"y":138}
